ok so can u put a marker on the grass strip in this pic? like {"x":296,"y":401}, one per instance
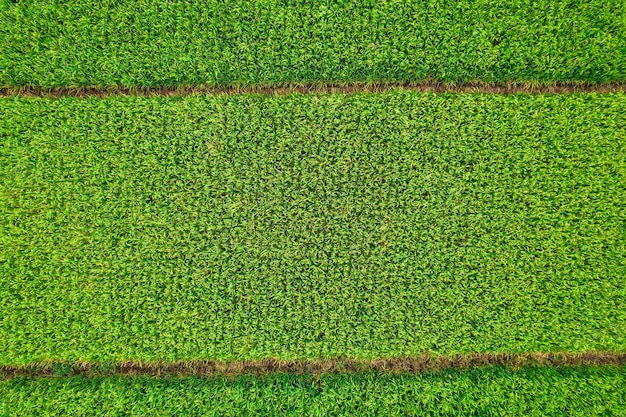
{"x":212,"y":369}
{"x":269,"y":42}
{"x":311,"y":226}
{"x":580,"y":391}
{"x":348,"y":88}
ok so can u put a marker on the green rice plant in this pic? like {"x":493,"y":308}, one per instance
{"x":269,"y":42}
{"x":311,"y":226}
{"x":484,"y":392}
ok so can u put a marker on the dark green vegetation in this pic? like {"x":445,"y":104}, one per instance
{"x":486,"y":392}
{"x":304,"y":226}
{"x":155,"y":43}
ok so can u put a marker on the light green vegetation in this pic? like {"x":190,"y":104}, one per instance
{"x":249,"y":42}
{"x":302,"y":226}
{"x":486,"y":392}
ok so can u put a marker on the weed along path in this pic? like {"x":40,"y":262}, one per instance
{"x":304,"y":88}
{"x":489,"y":391}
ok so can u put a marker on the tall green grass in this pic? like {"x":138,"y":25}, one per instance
{"x":304,"y":226}
{"x":251,"y":42}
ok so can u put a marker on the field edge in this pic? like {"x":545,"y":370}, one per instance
{"x":398,"y":365}
{"x":316,"y":88}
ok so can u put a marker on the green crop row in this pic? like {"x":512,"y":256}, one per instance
{"x":308,"y":226}
{"x":486,"y":392}
{"x":267,"y":42}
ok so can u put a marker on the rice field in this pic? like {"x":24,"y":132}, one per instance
{"x":269,"y":42}
{"x":312,"y":208}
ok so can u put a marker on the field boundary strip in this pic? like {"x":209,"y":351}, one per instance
{"x":348,"y":88}
{"x":412,"y":365}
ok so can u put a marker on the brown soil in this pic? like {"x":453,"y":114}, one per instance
{"x":417,"y":364}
